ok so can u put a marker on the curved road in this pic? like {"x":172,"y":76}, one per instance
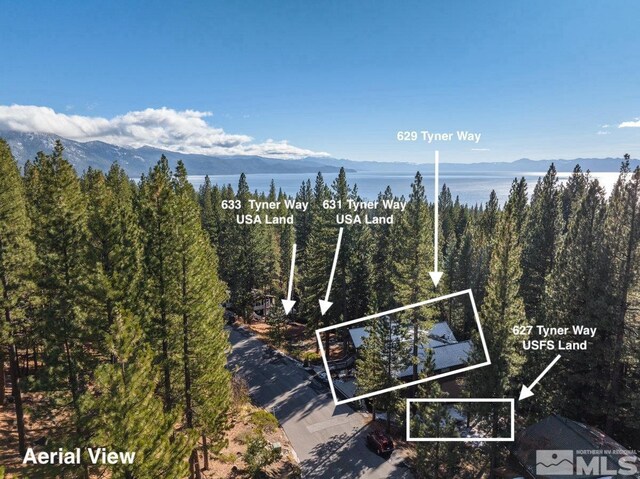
{"x":328,"y":439}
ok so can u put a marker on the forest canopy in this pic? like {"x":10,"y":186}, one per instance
{"x":113,"y":294}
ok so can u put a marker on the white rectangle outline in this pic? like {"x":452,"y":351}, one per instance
{"x":463,"y":439}
{"x":396,"y":310}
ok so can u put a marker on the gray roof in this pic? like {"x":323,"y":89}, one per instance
{"x":559,"y":433}
{"x":447,"y":352}
{"x":346,"y":387}
{"x":444,"y":357}
{"x":442,"y":331}
{"x":358,"y":335}
{"x":451,"y":355}
{"x":438,"y":335}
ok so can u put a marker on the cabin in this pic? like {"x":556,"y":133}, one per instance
{"x":448,"y":353}
{"x":263,"y":304}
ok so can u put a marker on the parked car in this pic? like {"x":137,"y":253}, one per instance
{"x":380,"y":442}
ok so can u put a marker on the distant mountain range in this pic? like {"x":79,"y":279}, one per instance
{"x":521,"y":166}
{"x":137,"y":161}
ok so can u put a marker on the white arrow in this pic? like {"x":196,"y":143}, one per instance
{"x":435,"y":274}
{"x":526,"y":391}
{"x":288,"y":303}
{"x":325,"y":304}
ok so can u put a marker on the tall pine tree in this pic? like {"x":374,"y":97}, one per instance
{"x":59,"y":218}
{"x":385,"y":352}
{"x":114,"y":243}
{"x":622,"y":230}
{"x":202,"y":340}
{"x":16,"y":261}
{"x":578,"y":295}
{"x":540,"y":243}
{"x":158,"y":222}
{"x":502,"y":309}
{"x":413,"y":261}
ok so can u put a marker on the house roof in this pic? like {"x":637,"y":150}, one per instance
{"x":438,"y":335}
{"x":447,"y":351}
{"x":442,"y":332}
{"x":559,"y":433}
{"x":358,"y":335}
{"x":445,"y":356}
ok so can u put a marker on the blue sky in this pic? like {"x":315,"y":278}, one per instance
{"x":537,"y":79}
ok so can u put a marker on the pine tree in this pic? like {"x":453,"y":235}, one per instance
{"x":622,"y":237}
{"x":226,"y":246}
{"x":447,"y":244}
{"x":459,"y":266}
{"x":571,"y":193}
{"x":277,"y":321}
{"x":382,"y":257}
{"x":158,"y":223}
{"x":578,"y":295}
{"x":541,"y":243}
{"x":354,"y":270}
{"x":412,"y":262}
{"x":59,"y":218}
{"x":502,"y":309}
{"x":461,"y":271}
{"x":114,"y":243}
{"x":208,"y":210}
{"x":435,"y":460}
{"x":275,"y":279}
{"x":285,"y":238}
{"x":490,"y":215}
{"x":384,"y":353}
{"x":518,"y":204}
{"x":447,"y":222}
{"x":317,"y":258}
{"x":303,"y":218}
{"x":341,"y":195}
{"x":16,"y":261}
{"x":485,"y":224}
{"x":359,"y":285}
{"x":124,"y":413}
{"x":203,"y":342}
{"x":251,"y":253}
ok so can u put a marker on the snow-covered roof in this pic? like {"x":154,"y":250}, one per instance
{"x":442,"y":331}
{"x":444,"y":357}
{"x":447,"y":351}
{"x":358,"y":335}
{"x":440,"y":334}
{"x":451,"y":355}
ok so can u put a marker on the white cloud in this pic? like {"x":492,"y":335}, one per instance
{"x":630,"y":124}
{"x":601,"y":132}
{"x":182,"y":131}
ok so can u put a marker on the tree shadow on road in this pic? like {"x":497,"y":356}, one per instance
{"x":341,"y":456}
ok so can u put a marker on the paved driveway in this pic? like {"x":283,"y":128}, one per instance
{"x":328,"y":439}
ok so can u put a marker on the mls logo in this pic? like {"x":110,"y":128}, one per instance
{"x":554,"y":462}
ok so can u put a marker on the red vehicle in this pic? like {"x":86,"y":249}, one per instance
{"x":380,"y":442}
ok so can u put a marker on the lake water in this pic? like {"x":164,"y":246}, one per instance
{"x":471,"y":188}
